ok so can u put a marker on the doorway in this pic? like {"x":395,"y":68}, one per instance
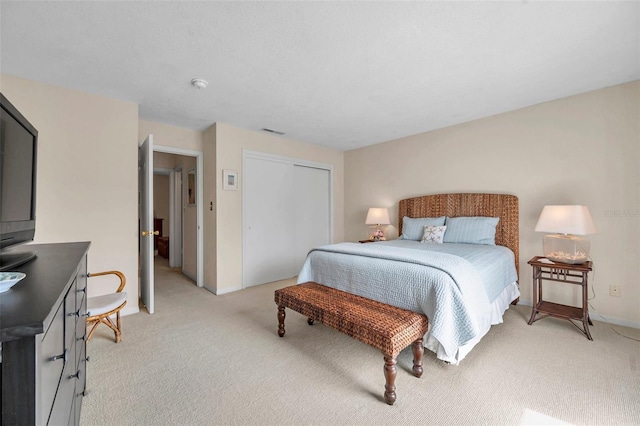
{"x":179,"y":207}
{"x":178,"y":223}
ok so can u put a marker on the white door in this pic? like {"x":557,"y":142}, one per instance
{"x":268,"y":217}
{"x":311,"y":219}
{"x":145,"y":183}
{"x":286,"y":212}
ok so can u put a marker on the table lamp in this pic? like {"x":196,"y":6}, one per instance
{"x":377,"y":218}
{"x":566,"y":223}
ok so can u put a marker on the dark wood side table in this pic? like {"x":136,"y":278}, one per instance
{"x":157,"y":226}
{"x":163,"y":247}
{"x":564,"y":273}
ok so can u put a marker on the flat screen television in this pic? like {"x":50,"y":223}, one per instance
{"x":18,"y":153}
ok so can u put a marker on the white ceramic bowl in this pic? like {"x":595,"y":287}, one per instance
{"x":9,"y":279}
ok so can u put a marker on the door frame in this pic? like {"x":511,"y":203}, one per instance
{"x":246,"y":153}
{"x":199,"y":202}
{"x":176,"y":224}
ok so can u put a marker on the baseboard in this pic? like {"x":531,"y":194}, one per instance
{"x":222,"y":291}
{"x":597,"y":317}
{"x":190,"y":276}
{"x":129,"y":311}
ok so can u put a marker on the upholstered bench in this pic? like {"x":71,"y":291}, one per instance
{"x":382,"y":326}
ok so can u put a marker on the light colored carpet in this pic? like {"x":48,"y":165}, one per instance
{"x":203,"y":359}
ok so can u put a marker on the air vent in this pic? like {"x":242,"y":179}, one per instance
{"x":272,"y":131}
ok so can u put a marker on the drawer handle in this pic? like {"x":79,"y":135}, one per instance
{"x":87,"y":359}
{"x":75,"y":314}
{"x":86,"y":314}
{"x":64,"y":356}
{"x":77,"y":375}
{"x":82,"y":290}
{"x":82,"y":338}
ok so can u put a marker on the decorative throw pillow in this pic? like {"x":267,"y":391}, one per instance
{"x":471,"y":230}
{"x":413,"y":228}
{"x":433,"y":234}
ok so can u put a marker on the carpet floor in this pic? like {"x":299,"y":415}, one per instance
{"x":203,"y":359}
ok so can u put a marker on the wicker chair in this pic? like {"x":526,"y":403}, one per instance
{"x":100,"y":308}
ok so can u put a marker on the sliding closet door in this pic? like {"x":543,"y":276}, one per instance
{"x":268,"y":217}
{"x":312,"y":212}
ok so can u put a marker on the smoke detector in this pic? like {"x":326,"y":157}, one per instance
{"x":199,"y":83}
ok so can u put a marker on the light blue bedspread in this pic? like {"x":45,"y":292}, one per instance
{"x":452,"y":284}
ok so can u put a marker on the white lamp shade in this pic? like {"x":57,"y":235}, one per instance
{"x":574,"y":220}
{"x":377,"y":216}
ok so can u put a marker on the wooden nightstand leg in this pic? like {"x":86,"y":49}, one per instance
{"x":585,"y":324}
{"x":535,"y":297}
{"x":586,"y":321}
{"x":534,"y":311}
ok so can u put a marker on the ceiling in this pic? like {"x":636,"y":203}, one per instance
{"x":341,"y":74}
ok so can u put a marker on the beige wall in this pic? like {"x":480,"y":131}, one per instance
{"x":163,"y":160}
{"x":584,"y":149}
{"x":87,"y":175}
{"x":167,"y":135}
{"x":209,"y":220}
{"x":229,"y":142}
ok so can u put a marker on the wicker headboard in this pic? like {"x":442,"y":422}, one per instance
{"x":502,"y":206}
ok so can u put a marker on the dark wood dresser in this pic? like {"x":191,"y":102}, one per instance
{"x":43,"y":332}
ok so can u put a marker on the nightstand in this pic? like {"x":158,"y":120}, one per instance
{"x":563,"y":273}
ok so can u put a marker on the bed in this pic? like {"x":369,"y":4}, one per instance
{"x":463,"y":285}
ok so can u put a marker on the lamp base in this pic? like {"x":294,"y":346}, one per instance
{"x":378,"y":234}
{"x":566,"y":248}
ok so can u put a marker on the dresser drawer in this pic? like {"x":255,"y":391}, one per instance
{"x":80,"y":384}
{"x":81,"y":282}
{"x":81,"y":328}
{"x":62,"y":406}
{"x":52,"y":360}
{"x":70,"y":316}
{"x":81,"y":380}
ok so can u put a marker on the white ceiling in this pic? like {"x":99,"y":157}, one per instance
{"x":341,"y":74}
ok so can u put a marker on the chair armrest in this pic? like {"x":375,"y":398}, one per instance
{"x":123,"y":280}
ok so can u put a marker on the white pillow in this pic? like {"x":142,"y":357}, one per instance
{"x":433,"y":234}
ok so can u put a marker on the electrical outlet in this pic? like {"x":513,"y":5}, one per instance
{"x":615,"y":290}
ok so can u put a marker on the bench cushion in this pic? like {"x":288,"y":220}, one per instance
{"x":382,"y":326}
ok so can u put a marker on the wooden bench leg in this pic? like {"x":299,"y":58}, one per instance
{"x":418,"y":351}
{"x":390,"y":377}
{"x":281,"y":316}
